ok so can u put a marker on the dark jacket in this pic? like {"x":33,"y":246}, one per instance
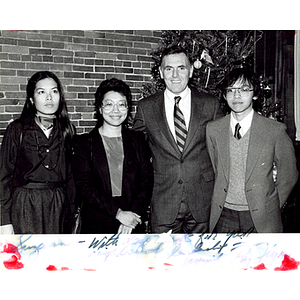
{"x":21,"y":164}
{"x":174,"y":171}
{"x":92,"y":179}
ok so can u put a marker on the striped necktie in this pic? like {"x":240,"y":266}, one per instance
{"x":237,"y":134}
{"x":180,"y":127}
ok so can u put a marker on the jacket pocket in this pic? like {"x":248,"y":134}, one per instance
{"x":273,"y":202}
{"x":208,"y":176}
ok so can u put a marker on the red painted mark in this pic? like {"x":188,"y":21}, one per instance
{"x":89,"y":269}
{"x":260,"y":267}
{"x":151,"y":268}
{"x":51,"y":268}
{"x":14,"y":262}
{"x":64,"y":269}
{"x":169,"y":265}
{"x":288,"y":264}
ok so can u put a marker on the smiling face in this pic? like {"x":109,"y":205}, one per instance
{"x":240,"y":102}
{"x":114,"y":109}
{"x":46,"y":96}
{"x":176,"y":72}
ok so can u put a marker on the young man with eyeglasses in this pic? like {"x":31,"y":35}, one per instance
{"x":244,"y":147}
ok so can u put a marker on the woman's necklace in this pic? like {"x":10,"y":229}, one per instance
{"x":47,"y":167}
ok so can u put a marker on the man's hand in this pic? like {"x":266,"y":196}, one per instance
{"x":128,"y":218}
{"x":124,"y":229}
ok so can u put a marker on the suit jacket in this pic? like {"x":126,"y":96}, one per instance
{"x":268,"y":144}
{"x":92,"y":179}
{"x":174,"y":171}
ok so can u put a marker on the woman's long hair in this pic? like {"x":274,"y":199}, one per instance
{"x":29,"y":109}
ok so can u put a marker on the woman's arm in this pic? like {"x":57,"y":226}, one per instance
{"x":8,"y":159}
{"x":143,"y":193}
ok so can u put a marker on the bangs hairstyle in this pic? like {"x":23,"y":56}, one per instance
{"x":29,"y":109}
{"x":111,"y":85}
{"x":243,"y":74}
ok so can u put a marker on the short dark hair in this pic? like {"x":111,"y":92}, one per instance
{"x":115,"y":85}
{"x":244,"y":74}
{"x":175,"y":49}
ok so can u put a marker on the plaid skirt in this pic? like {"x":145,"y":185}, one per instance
{"x":38,"y":208}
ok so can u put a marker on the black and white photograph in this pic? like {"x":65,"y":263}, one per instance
{"x":150,"y":150}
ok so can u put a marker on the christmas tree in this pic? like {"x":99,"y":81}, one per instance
{"x":212,"y":52}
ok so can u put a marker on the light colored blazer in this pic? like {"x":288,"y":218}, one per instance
{"x":268,"y":143}
{"x":174,"y":172}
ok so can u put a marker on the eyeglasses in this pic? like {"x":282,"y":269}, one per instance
{"x":244,"y":91}
{"x":109,"y":106}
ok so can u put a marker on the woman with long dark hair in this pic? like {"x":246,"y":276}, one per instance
{"x":36,"y":183}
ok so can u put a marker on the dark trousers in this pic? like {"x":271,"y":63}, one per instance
{"x":235,"y":221}
{"x":184,"y":223}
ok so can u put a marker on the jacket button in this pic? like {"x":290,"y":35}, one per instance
{"x":180,"y":181}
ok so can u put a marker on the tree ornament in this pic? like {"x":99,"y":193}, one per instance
{"x":197,"y":64}
{"x":206,"y":57}
{"x":267,"y":92}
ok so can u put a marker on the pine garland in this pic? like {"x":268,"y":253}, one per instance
{"x":213,"y":52}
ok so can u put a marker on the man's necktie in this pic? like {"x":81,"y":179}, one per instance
{"x":237,"y":134}
{"x":180,"y":127}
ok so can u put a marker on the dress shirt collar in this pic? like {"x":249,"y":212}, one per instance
{"x":245,"y":123}
{"x":183,"y":95}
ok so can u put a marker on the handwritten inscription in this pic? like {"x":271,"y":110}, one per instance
{"x":25,"y":244}
{"x":193,"y":248}
{"x":105,"y":242}
{"x":218,"y":245}
{"x":189,"y":250}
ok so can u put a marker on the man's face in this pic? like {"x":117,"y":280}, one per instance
{"x":239,"y":97}
{"x":176,"y":72}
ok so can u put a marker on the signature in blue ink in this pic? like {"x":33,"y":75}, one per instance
{"x":22,"y":246}
{"x":199,"y":246}
{"x":105,"y":242}
{"x":148,"y":245}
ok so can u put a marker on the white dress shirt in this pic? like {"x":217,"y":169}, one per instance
{"x":184,"y":105}
{"x":245,"y":123}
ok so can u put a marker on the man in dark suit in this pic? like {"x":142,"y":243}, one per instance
{"x":183,"y":174}
{"x":244,"y":147}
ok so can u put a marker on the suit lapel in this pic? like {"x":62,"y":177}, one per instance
{"x":256,"y":143}
{"x":195,"y":119}
{"x":100,"y":160}
{"x":222,"y":141}
{"x":162,"y":123}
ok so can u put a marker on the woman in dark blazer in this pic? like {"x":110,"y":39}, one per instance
{"x":111,"y":166}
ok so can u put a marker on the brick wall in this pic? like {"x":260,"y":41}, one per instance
{"x":81,"y":59}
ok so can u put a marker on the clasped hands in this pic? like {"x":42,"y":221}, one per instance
{"x":128,"y":220}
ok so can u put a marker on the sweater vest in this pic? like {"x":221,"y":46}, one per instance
{"x":236,"y":196}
